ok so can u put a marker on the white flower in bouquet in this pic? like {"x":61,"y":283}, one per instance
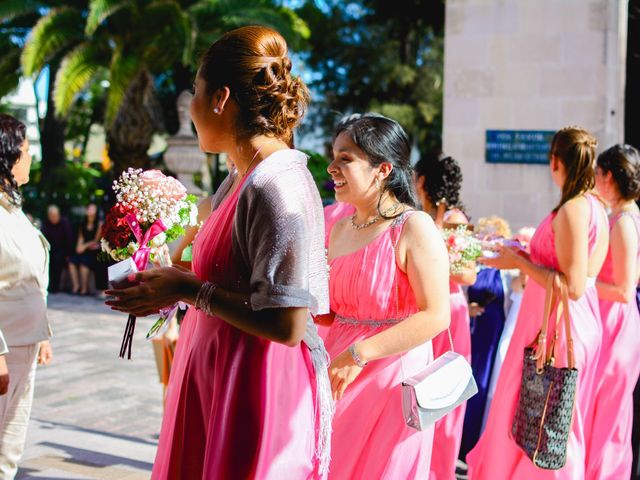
{"x":159,"y":240}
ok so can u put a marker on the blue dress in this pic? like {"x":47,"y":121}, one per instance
{"x":486,"y":329}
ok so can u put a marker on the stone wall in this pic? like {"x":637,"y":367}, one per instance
{"x":528,"y":65}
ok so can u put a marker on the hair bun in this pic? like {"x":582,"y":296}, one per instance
{"x":253,"y":62}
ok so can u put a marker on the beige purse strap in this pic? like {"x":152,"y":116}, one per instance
{"x":565,"y":314}
{"x":540,"y":342}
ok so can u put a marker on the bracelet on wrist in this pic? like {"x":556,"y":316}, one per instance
{"x":356,"y":357}
{"x":204,"y":298}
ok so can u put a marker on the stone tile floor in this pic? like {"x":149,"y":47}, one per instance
{"x":95,"y":416}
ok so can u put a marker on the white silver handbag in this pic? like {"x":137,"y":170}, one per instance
{"x":435,"y":391}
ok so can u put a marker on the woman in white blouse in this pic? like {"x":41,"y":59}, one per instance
{"x":24,"y":328}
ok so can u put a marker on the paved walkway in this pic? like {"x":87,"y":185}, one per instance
{"x":95,"y":416}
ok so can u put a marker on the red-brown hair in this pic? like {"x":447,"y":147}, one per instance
{"x":253,"y":63}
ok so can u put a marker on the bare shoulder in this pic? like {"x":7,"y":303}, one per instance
{"x":624,"y":228}
{"x":575,"y":211}
{"x":419,"y":225}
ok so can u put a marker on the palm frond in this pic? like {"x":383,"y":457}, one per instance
{"x":100,"y":10}
{"x":76,"y":71}
{"x":169,"y":14}
{"x":10,"y":9}
{"x":215,"y":17}
{"x":122,"y":71}
{"x":50,"y":36}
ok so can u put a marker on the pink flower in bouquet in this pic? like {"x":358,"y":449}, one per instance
{"x":452,"y":241}
{"x":171,"y":188}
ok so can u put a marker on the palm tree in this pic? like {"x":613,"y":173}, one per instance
{"x":55,"y":29}
{"x":132,"y":41}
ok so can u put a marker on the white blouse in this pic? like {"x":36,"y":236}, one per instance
{"x":24,"y":277}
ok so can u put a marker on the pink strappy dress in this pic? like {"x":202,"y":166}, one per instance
{"x":496,"y":456}
{"x":447,"y":434}
{"x":239,"y":406}
{"x":369,"y":293}
{"x":609,"y":453}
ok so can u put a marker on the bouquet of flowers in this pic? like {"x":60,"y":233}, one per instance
{"x":152,"y":210}
{"x":462,"y":246}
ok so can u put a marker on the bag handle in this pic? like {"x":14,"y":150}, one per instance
{"x":563,"y":312}
{"x":539,"y":344}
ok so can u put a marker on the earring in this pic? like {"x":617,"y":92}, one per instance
{"x":377,"y":184}
{"x":216,"y":110}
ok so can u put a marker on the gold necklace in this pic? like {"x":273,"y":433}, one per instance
{"x":360,"y":226}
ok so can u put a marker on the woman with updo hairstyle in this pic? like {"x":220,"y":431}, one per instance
{"x":572,"y":240}
{"x":618,"y":182}
{"x":24,"y":277}
{"x":249,"y":393}
{"x":388,"y":291}
{"x":438,"y":180}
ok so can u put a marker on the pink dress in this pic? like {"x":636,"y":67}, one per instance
{"x":447,"y":435}
{"x":369,"y":293}
{"x":609,"y":452}
{"x":496,"y":456}
{"x":240,"y":406}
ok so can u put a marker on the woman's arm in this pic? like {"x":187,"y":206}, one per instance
{"x":624,"y":256}
{"x":277,"y":305}
{"x":161,"y":287}
{"x":80,"y":246}
{"x":571,"y":227}
{"x":427,"y":267}
{"x":423,"y":255}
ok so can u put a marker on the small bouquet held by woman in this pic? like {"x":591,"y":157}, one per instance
{"x":152,"y":210}
{"x":462,"y":246}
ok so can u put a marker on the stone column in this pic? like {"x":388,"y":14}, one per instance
{"x":183,"y":155}
{"x":528,"y":65}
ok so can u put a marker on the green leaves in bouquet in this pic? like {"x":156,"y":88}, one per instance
{"x":178,"y":230}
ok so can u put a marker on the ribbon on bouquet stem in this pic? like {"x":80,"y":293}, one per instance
{"x":141,"y":259}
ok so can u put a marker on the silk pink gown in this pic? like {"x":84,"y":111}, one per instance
{"x":496,"y":456}
{"x":609,"y":454}
{"x":238,"y":406}
{"x":369,"y":293}
{"x":447,"y":434}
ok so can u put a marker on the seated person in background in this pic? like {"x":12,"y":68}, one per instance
{"x":85,"y":259}
{"x":57,"y":230}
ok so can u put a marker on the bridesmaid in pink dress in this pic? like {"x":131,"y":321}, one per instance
{"x":609,"y":453}
{"x":388,"y":285}
{"x":249,"y":393}
{"x":572,"y":239}
{"x":438,"y":181}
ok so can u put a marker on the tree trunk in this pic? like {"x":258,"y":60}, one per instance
{"x":139,"y":117}
{"x":52,"y":132}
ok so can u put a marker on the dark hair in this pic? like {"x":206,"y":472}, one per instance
{"x":12,"y":136}
{"x":383,"y":140}
{"x":623,"y":161}
{"x":575,"y":147}
{"x":253,"y":63}
{"x":441,"y":177}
